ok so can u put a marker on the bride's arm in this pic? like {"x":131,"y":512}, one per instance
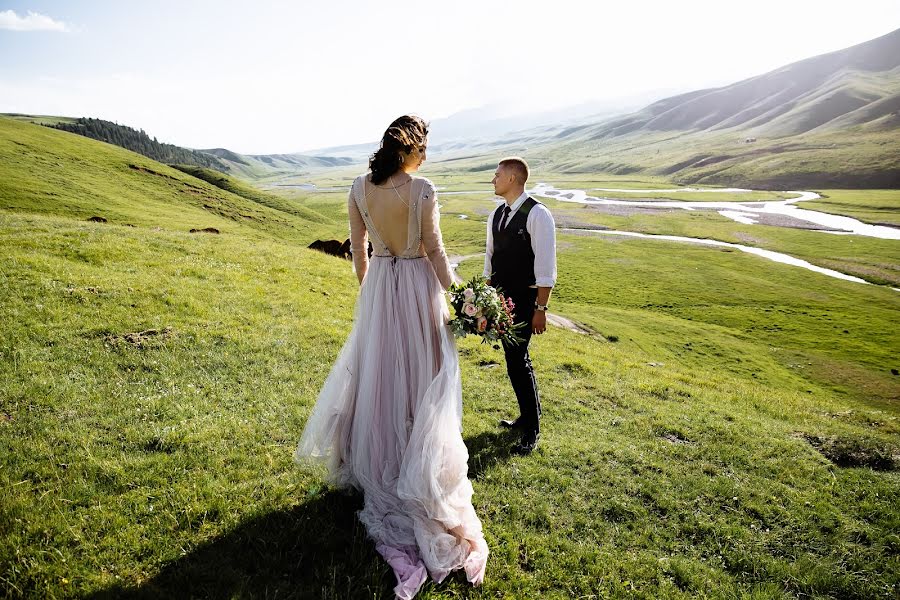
{"x":431,"y":238}
{"x":358,"y":238}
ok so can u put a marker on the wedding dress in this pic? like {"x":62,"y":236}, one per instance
{"x":388,"y":419}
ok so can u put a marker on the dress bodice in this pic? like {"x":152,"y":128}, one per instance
{"x":401,"y":222}
{"x":389,"y":202}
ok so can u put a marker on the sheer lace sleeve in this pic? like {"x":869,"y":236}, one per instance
{"x":359,"y":237}
{"x":431,"y":237}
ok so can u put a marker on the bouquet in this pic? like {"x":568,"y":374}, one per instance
{"x":482,"y":310}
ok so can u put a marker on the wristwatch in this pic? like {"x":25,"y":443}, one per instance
{"x":540,"y":306}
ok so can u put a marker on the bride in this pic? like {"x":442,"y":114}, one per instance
{"x":388,"y":418}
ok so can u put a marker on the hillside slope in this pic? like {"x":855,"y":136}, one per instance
{"x":257,"y":166}
{"x":268,"y":166}
{"x":728,"y":430}
{"x":855,"y":86}
{"x":46,"y":171}
{"x":244,"y":190}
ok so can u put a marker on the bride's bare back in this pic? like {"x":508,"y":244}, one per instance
{"x":406,"y":221}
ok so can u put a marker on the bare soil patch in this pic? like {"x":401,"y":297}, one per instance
{"x":140,"y":339}
{"x":855,"y":452}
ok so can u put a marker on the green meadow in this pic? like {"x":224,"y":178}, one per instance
{"x":878,"y":207}
{"x":872,"y":259}
{"x":727,"y":428}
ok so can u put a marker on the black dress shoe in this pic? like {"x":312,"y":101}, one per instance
{"x":510,"y":424}
{"x":528,"y":444}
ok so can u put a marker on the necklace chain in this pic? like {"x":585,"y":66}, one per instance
{"x":398,"y":193}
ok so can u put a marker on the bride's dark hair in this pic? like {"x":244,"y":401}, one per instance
{"x":404,"y":135}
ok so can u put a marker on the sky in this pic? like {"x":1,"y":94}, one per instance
{"x":268,"y":77}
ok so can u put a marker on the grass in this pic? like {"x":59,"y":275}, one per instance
{"x":39,"y":119}
{"x":719,"y":434}
{"x":855,"y":157}
{"x":787,"y":312}
{"x":244,"y":190}
{"x":878,"y":207}
{"x":45,"y":171}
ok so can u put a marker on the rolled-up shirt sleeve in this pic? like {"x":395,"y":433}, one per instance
{"x":542,"y":229}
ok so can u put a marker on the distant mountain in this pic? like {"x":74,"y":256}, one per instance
{"x":857,"y":86}
{"x":827,"y":121}
{"x":488,"y":123}
{"x":497,"y":125}
{"x":255,"y":166}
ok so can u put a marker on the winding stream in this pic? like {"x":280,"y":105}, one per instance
{"x":742,"y":212}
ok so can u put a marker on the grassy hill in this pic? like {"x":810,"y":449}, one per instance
{"x":128,"y":138}
{"x":728,"y":429}
{"x":272,"y":166}
{"x":45,"y":171}
{"x":244,"y":190}
{"x":854,"y":158}
{"x":275,"y":166}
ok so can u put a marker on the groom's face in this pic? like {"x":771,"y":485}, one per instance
{"x":502,"y":180}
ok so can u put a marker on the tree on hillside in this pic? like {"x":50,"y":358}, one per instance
{"x":138,"y":141}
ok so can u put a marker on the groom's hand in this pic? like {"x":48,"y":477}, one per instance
{"x":539,"y":321}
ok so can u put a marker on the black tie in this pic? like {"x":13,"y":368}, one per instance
{"x":506,"y":211}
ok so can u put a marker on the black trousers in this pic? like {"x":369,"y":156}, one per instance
{"x":518,"y":362}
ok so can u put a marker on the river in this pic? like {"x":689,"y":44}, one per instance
{"x":742,"y":212}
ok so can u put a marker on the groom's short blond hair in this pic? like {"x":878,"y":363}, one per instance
{"x":518,"y":166}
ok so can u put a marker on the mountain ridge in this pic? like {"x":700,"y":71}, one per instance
{"x":825,"y":121}
{"x":758,"y":102}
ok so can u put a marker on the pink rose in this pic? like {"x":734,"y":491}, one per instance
{"x":468,"y":294}
{"x":469,"y":309}
{"x":481,"y":323}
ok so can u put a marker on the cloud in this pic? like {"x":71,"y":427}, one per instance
{"x":31,"y":22}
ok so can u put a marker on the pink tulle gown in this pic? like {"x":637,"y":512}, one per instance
{"x":388,"y":419}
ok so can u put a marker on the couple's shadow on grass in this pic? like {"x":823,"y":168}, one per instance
{"x":317,"y":549}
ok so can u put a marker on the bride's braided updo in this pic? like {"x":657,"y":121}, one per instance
{"x":404,"y":135}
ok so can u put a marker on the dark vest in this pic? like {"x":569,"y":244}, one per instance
{"x":512,"y":261}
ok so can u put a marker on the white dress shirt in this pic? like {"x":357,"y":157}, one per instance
{"x":542,"y":229}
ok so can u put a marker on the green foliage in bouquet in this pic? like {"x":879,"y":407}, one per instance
{"x":480,"y":309}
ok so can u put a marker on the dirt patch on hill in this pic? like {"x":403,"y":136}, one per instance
{"x":140,"y":339}
{"x":150,"y":171}
{"x":855,"y":452}
{"x":564,"y":323}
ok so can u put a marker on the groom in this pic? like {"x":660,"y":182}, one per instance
{"x":520,"y":259}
